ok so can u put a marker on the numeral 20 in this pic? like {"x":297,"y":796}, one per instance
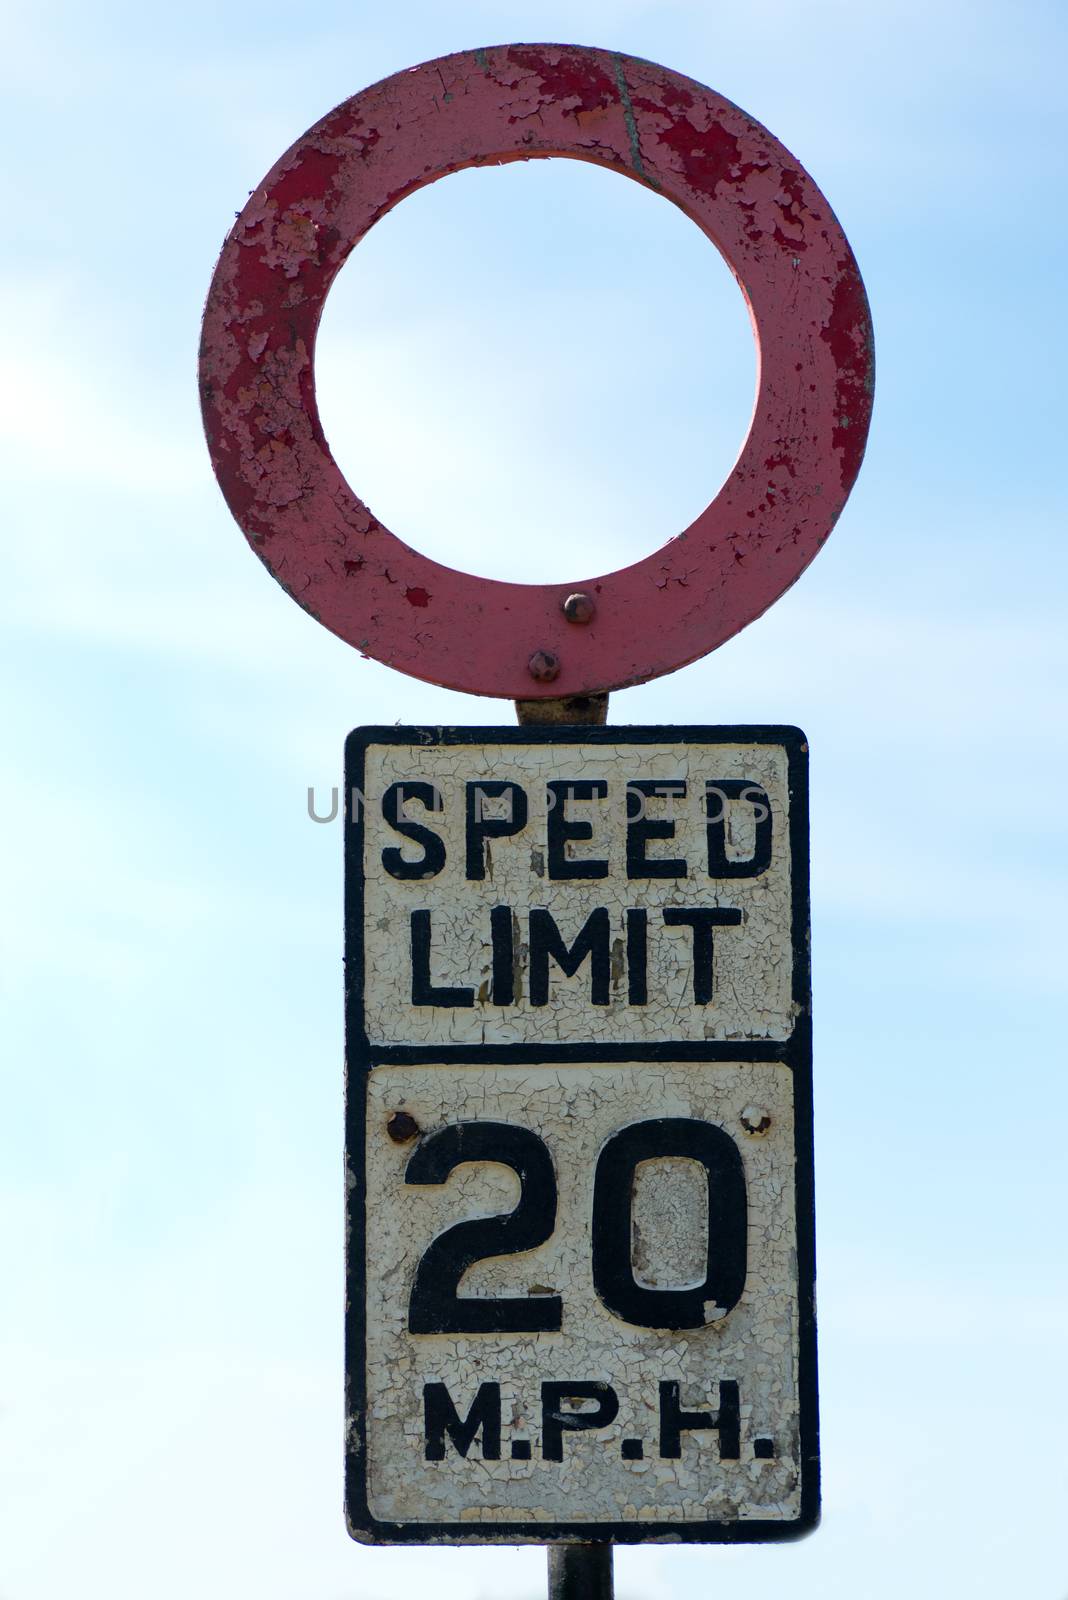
{"x":435,"y":1305}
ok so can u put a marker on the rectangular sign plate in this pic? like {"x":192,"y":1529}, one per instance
{"x":579,"y":1135}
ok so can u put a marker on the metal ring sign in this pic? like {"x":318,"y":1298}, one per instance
{"x":587,"y":633}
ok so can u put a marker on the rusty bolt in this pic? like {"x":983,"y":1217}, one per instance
{"x":401,"y":1127}
{"x":756,"y":1120}
{"x":578,"y":607}
{"x":543,"y":666}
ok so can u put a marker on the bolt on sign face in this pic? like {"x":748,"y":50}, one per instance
{"x":581,"y":1271}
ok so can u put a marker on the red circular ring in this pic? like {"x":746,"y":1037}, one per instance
{"x":742,"y":188}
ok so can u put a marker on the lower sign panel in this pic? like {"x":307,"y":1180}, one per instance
{"x":586,"y":1299}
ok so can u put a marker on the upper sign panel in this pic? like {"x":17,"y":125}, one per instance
{"x":526,"y":891}
{"x":748,"y":194}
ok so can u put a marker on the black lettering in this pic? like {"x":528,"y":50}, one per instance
{"x":562,"y":828}
{"x":435,"y":1306}
{"x":637,"y":957}
{"x":716,"y":797}
{"x":592,"y":940}
{"x":502,"y":939}
{"x":641,"y":829}
{"x":433,"y":858}
{"x":701,"y":920}
{"x":613,"y":1197}
{"x":555,"y":1421}
{"x":674,"y":1422}
{"x":440,"y":1417}
{"x":481,"y":828}
{"x":424,"y":992}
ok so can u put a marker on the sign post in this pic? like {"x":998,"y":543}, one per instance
{"x":579,"y":1139}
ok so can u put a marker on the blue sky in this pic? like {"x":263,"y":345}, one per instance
{"x":515,"y":363}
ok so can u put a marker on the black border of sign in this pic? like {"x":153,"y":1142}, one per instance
{"x":361,"y":1056}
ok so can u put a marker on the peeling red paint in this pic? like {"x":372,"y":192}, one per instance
{"x":848,"y":333}
{"x":709,"y":156}
{"x":575,"y":80}
{"x":675,"y":95}
{"x":786,"y":243}
{"x":739,"y":185}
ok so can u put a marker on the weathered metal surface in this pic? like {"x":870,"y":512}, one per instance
{"x":640,"y":794}
{"x":742,"y":188}
{"x":587,"y":710}
{"x":580,"y":1126}
{"x":580,"y":1572}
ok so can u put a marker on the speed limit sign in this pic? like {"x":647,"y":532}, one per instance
{"x":579,"y":1141}
{"x":579,"y":1135}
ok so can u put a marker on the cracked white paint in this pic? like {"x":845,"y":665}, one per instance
{"x":622,"y":1473}
{"x":753,"y":966}
{"x":575,"y":1109}
{"x":669,"y":1225}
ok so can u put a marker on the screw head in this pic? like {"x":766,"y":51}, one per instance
{"x":543,"y":666}
{"x":402,"y":1126}
{"x":578,"y":607}
{"x":756,"y":1121}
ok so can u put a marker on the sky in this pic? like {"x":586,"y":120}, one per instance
{"x":514,"y":363}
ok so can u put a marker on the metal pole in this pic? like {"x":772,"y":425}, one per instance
{"x":576,"y":1571}
{"x":580,"y":1572}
